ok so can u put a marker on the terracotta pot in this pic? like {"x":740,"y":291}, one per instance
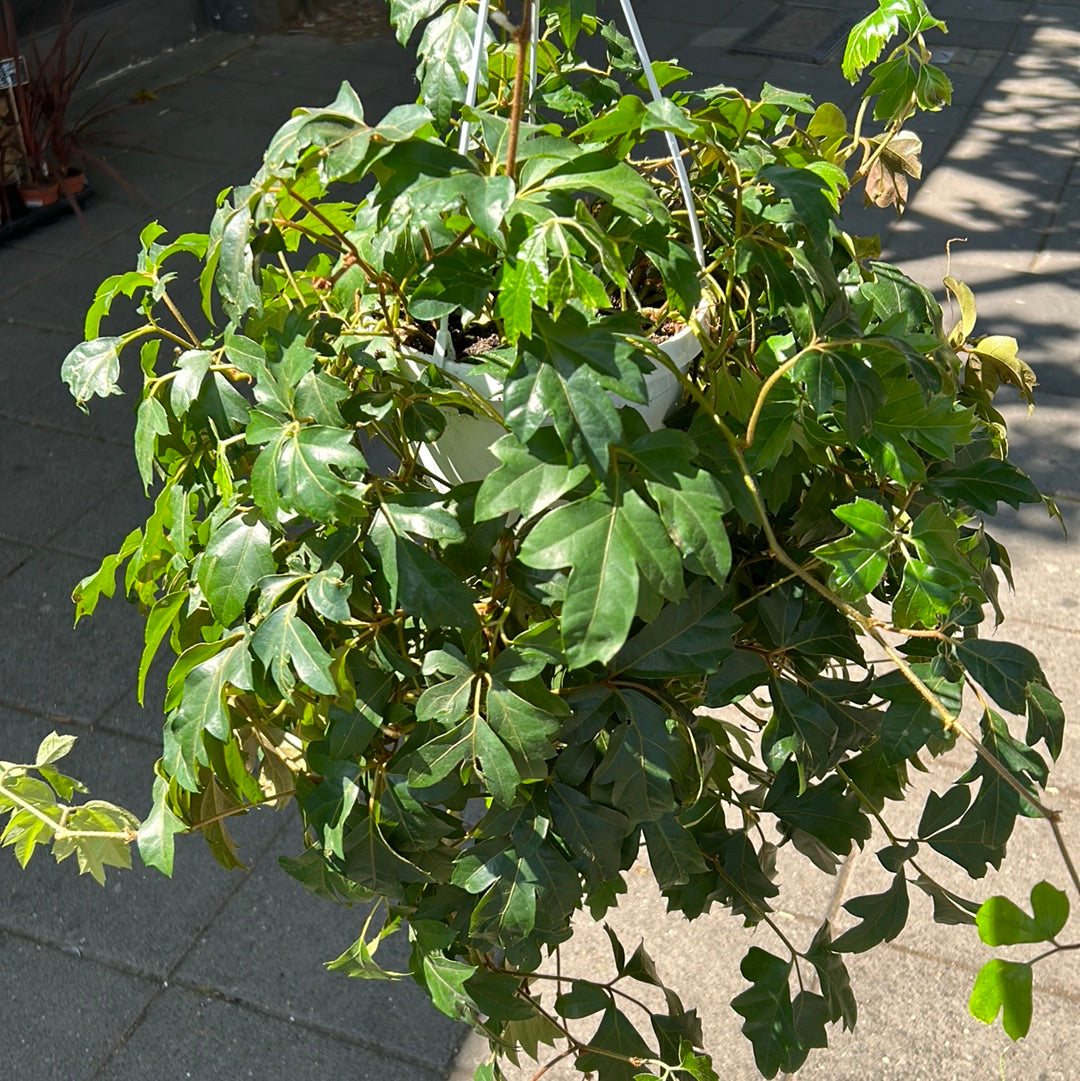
{"x":38,"y":194}
{"x":72,"y":183}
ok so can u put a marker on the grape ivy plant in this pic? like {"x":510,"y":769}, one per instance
{"x":686,"y":645}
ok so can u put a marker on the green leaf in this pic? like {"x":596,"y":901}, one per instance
{"x":418,"y":583}
{"x":526,"y":726}
{"x":673,"y":853}
{"x":766,"y":1006}
{"x":927,"y":595}
{"x":695,"y":634}
{"x":1001,"y":923}
{"x":983,"y":484}
{"x":445,"y":982}
{"x":644,"y":758}
{"x":52,"y":748}
{"x":909,"y":721}
{"x":1003,"y":986}
{"x":329,"y":595}
{"x":445,"y":49}
{"x":530,"y":477}
{"x":800,"y":726}
{"x":560,"y":377}
{"x":825,"y":811}
{"x":692,"y":507}
{"x":286,"y":644}
{"x":297,"y":470}
{"x":1004,"y":669}
{"x":93,"y":368}
{"x":584,"y":999}
{"x":110,"y":847}
{"x":151,"y":421}
{"x":1046,"y":718}
{"x":371,"y":862}
{"x":159,"y":622}
{"x":200,"y":679}
{"x":602,"y":593}
{"x":592,"y":831}
{"x":833,"y":978}
{"x":883,"y":917}
{"x":859,"y":560}
{"x":157,"y":831}
{"x":192,"y":367}
{"x":237,"y":555}
{"x":617,"y":1036}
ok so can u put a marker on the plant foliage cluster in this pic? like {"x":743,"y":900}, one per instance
{"x":690,"y":645}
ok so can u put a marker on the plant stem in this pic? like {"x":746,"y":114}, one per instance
{"x":517,"y":102}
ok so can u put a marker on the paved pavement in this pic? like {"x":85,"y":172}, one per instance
{"x":217,"y":976}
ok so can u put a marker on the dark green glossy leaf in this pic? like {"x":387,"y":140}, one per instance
{"x":766,"y":1006}
{"x":602,"y":594}
{"x":286,"y":645}
{"x":833,"y":978}
{"x":859,"y":560}
{"x":949,"y":908}
{"x":826,"y":811}
{"x":201,"y":708}
{"x":617,"y":1036}
{"x":298,"y":469}
{"x":529,"y":478}
{"x":415,"y":581}
{"x":237,"y":555}
{"x":883,"y":917}
{"x":1003,"y":668}
{"x":644,"y":758}
{"x":696,"y":633}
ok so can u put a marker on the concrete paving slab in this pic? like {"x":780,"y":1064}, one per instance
{"x":140,"y":922}
{"x":1035,"y":308}
{"x":13,"y":556}
{"x":45,"y":483}
{"x":914,"y":1026}
{"x":34,"y":394}
{"x":186,"y":1036}
{"x":104,"y":526}
{"x":50,"y":666}
{"x":36,"y":302}
{"x":268,"y":947}
{"x":87,"y":1008}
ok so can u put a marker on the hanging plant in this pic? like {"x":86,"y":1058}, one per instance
{"x":489,"y":698}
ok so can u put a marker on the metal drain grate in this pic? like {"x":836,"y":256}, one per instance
{"x":809,"y":35}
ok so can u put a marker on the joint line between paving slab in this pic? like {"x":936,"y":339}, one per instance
{"x":208,"y":991}
{"x":1059,"y":202}
{"x":44,"y":426}
{"x":192,"y":944}
{"x":76,"y":722}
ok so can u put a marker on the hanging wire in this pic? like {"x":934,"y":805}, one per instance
{"x":444,"y":347}
{"x":534,"y":40}
{"x":474,"y":72}
{"x":673,"y":146}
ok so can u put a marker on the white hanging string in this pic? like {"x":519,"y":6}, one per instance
{"x":673,"y":146}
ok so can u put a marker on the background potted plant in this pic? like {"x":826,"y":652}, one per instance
{"x":489,"y":699}
{"x":46,"y":145}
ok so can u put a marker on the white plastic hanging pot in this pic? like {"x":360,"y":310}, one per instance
{"x":463,"y":452}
